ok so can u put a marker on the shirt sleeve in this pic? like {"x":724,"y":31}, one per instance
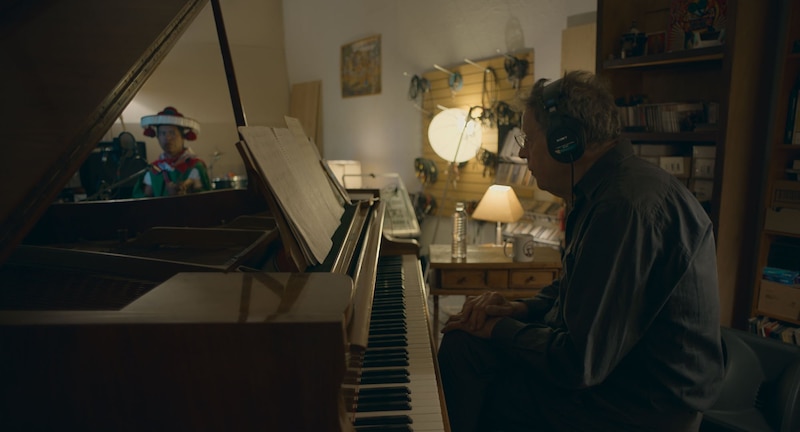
{"x":606,"y":301}
{"x":542,"y":302}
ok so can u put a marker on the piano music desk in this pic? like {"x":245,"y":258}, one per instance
{"x":486,"y":268}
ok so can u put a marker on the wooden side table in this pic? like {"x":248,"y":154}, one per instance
{"x":486,"y":268}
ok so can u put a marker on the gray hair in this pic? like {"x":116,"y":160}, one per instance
{"x":586,"y":98}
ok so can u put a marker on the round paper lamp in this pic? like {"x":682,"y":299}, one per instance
{"x":452,"y":137}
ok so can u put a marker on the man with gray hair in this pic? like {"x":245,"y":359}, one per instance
{"x":628,"y":338}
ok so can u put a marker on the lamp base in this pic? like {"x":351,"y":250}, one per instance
{"x":498,"y":241}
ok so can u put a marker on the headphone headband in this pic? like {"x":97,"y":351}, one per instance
{"x":551,"y":94}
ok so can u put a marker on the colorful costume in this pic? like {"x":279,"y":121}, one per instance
{"x":168,"y":169}
{"x":171,"y":168}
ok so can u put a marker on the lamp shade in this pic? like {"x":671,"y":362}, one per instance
{"x":499,"y":204}
{"x":454,"y":138}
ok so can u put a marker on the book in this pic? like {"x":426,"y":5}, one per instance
{"x":792,"y":112}
{"x":796,"y":132}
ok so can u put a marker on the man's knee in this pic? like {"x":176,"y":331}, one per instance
{"x":456,"y":344}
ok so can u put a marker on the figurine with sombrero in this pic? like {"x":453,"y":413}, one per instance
{"x":178,"y":170}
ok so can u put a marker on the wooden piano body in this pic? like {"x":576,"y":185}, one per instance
{"x":159,"y":322}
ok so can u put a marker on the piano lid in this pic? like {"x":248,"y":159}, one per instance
{"x":70,"y":69}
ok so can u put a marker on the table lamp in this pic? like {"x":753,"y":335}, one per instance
{"x":499,"y":204}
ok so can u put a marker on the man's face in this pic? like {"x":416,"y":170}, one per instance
{"x":550,"y":174}
{"x":170,"y":139}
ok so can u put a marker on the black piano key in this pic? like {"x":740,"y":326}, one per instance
{"x":384,"y":376}
{"x":385,"y":363}
{"x":382,"y":420}
{"x":377,"y":323}
{"x":372,"y":404}
{"x":385,"y":428}
{"x":381,"y":391}
{"x":387,"y":343}
{"x":391,"y":398}
{"x":388,"y":306}
{"x":388,"y":330}
{"x":389,"y":355}
{"x":385,"y":353}
{"x":383,"y":406}
{"x":389,"y":337}
{"x":389,"y":315}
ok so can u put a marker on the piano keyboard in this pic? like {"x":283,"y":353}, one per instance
{"x":394,"y":385}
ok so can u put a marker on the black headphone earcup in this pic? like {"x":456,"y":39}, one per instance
{"x":565,"y":139}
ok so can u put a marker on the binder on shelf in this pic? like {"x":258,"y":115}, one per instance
{"x":792,"y":131}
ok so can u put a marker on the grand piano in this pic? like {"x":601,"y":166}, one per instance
{"x":135,"y":315}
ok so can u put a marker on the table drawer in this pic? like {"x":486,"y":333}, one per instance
{"x":526,"y":279}
{"x":474,"y":279}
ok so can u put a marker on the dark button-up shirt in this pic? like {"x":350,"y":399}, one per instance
{"x":633,"y":323}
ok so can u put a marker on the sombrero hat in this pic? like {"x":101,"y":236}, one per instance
{"x":171,"y":116}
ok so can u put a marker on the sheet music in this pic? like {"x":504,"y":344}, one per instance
{"x":292,"y":168}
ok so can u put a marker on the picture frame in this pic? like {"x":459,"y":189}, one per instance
{"x":361,"y":67}
{"x":656,"y":42}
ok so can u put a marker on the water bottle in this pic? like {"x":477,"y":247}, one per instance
{"x":459,"y":232}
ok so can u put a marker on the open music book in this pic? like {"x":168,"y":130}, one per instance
{"x":290,"y":165}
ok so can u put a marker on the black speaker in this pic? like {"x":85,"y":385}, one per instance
{"x":565,"y":137}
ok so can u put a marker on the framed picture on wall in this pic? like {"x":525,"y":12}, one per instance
{"x":361,"y":67}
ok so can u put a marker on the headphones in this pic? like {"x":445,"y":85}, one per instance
{"x":565,"y":137}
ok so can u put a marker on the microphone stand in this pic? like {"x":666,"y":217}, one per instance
{"x":115,"y":184}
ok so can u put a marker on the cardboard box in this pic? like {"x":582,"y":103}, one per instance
{"x":658,"y":150}
{"x":652,"y":159}
{"x":704,"y":151}
{"x":703,"y":168}
{"x":676,"y":165}
{"x":779,"y":300}
{"x":784,"y":220}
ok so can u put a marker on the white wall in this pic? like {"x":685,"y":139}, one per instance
{"x":384,"y":131}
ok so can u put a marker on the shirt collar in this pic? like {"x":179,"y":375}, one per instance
{"x":591,"y":180}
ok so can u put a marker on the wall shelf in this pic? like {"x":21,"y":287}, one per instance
{"x":671,"y":58}
{"x":675,"y":137}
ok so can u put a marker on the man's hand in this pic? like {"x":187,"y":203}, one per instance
{"x":480,"y":314}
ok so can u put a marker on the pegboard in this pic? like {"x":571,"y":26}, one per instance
{"x":469,"y":182}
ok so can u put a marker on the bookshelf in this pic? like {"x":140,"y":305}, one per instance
{"x":778,"y":242}
{"x":730,"y":76}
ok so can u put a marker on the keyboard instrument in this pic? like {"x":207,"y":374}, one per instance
{"x":392,"y":385}
{"x":192,"y":312}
